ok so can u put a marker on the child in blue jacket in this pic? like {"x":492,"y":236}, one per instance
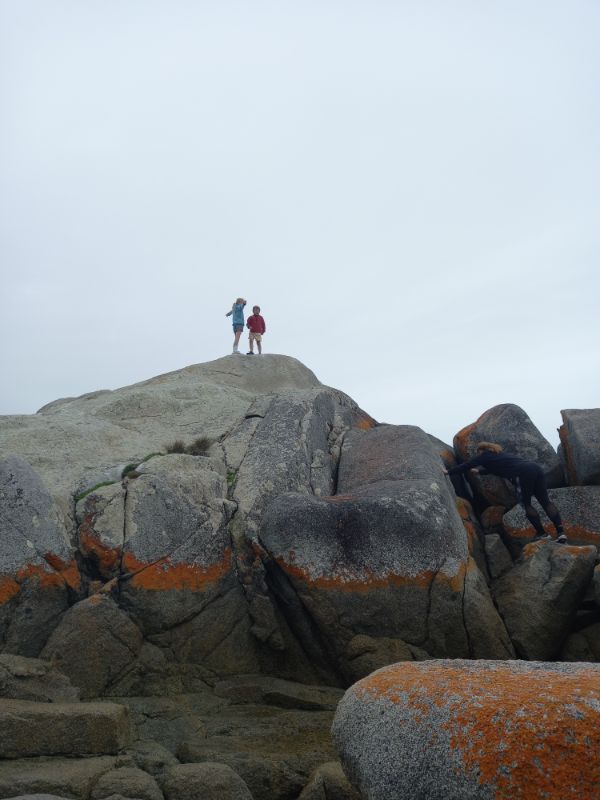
{"x":237,"y":309}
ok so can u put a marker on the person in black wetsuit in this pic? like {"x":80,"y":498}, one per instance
{"x":528,"y":478}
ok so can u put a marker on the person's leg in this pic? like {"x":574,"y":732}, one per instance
{"x":527,"y":482}
{"x":251,"y":343}
{"x":237,"y":332}
{"x":259,"y":344}
{"x":541,"y":493}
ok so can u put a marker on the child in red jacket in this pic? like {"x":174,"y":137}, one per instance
{"x":257,"y":327}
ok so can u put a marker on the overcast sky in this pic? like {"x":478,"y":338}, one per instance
{"x":409,"y":190}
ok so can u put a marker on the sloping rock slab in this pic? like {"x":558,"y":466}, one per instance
{"x":387,"y":453}
{"x":478,"y":730}
{"x":44,"y":729}
{"x":539,"y":596}
{"x":509,"y":426}
{"x":580,"y":438}
{"x":65,"y":777}
{"x":277,"y":692}
{"x":579,"y":507}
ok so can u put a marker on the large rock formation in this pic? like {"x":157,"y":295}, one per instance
{"x":188,"y":545}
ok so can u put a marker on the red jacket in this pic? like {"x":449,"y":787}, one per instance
{"x":256,"y":323}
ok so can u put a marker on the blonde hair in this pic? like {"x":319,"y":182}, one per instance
{"x":491,"y":446}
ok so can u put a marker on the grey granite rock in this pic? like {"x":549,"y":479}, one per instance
{"x":580,"y":438}
{"x":29,"y":728}
{"x":474,"y":730}
{"x":94,"y":643}
{"x":33,"y":679}
{"x":208,"y":781}
{"x":539,"y":596}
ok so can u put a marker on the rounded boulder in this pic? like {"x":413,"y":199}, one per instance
{"x":481,"y":730}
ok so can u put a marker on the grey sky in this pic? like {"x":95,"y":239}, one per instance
{"x":408,"y":189}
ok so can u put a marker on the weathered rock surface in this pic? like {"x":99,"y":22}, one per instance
{"x":509,"y":426}
{"x":37,"y":563}
{"x":29,"y":728}
{"x":112,"y":643}
{"x":538,"y":598}
{"x":128,"y":782}
{"x":498,"y":557}
{"x":304,"y":542}
{"x":583,"y":645}
{"x":392,"y":534}
{"x":76,"y":443}
{"x":65,"y":777}
{"x":32,"y":679}
{"x":478,"y":730}
{"x":208,"y":781}
{"x":329,"y":782}
{"x":580,"y":439}
{"x":579,"y":507}
{"x":38,"y":797}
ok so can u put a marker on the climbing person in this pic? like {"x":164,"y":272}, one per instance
{"x":527,"y":477}
{"x":237,"y":309}
{"x":256,"y":326}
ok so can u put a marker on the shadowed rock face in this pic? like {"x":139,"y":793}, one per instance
{"x":479,"y":730}
{"x":580,"y":438}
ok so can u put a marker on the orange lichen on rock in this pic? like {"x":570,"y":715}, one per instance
{"x":68,"y":570}
{"x":461,"y":440}
{"x":108,"y":558}
{"x":59,"y":574}
{"x":370,"y":580}
{"x":575,"y":532}
{"x":8,"y":589}
{"x":521,"y":732}
{"x":164,"y":575}
{"x":364,"y":422}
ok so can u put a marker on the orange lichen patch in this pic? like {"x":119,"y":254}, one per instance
{"x":464,"y":508}
{"x":370,"y":581}
{"x":525,"y":733}
{"x":164,"y":575}
{"x":492,"y":517}
{"x":364,"y":422}
{"x":448,"y":458}
{"x":40,"y":574}
{"x":8,"y":589}
{"x":575,"y":532}
{"x":108,"y":558}
{"x":68,"y":570}
{"x":582,"y":534}
{"x":461,"y":440}
{"x":338,"y":498}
